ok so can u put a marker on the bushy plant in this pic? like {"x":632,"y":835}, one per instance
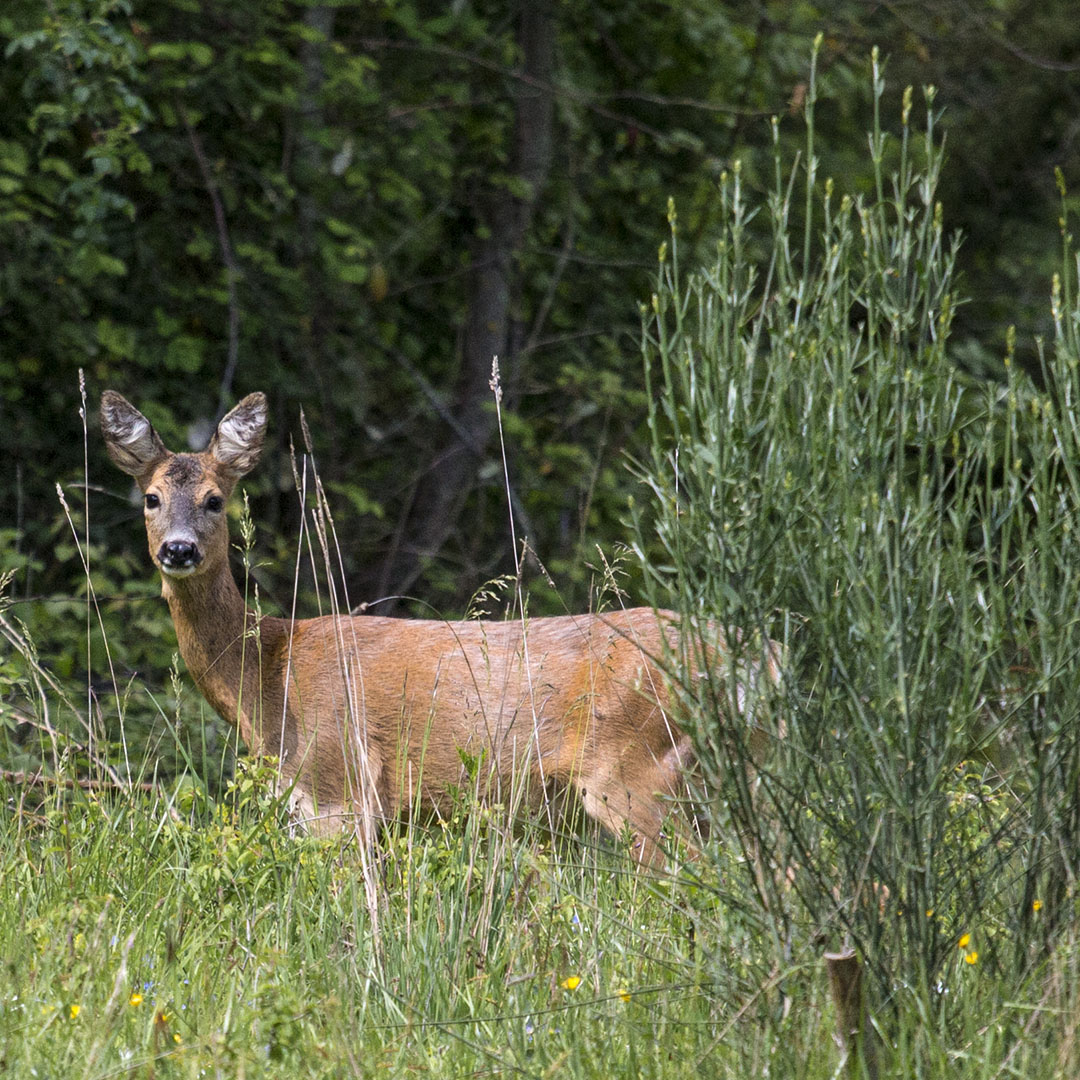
{"x":819,"y":471}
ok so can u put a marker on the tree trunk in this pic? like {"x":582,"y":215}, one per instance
{"x":494,"y":285}
{"x":309,"y":168}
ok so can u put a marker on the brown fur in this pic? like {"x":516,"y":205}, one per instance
{"x":371,"y":717}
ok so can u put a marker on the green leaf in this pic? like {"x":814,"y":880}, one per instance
{"x":185,"y":353}
{"x":197,"y":52}
{"x":352,"y":273}
{"x":115,"y":339}
{"x":58,"y":166}
{"x":13,"y":157}
{"x":90,"y":262}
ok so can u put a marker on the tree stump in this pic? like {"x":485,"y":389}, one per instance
{"x":852,"y":1016}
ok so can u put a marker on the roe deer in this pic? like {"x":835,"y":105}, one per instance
{"x":372,"y":717}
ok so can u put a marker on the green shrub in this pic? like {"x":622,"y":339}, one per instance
{"x":821,"y":472}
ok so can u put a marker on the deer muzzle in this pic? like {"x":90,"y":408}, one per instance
{"x":179,"y":557}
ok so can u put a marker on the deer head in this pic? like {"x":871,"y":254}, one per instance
{"x":184,"y":495}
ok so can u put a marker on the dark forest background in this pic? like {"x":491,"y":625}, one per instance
{"x":353,"y":206}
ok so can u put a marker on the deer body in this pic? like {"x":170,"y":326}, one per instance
{"x":371,"y":717}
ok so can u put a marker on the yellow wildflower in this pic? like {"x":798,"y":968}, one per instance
{"x":136,"y":999}
{"x":571,"y":982}
{"x":624,"y":995}
{"x":971,"y":957}
{"x":74,"y":1010}
{"x":964,"y":941}
{"x":1036,"y":905}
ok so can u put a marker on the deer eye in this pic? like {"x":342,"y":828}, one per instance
{"x":152,"y":502}
{"x":214,"y":504}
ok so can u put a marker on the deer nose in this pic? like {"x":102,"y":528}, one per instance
{"x":179,"y":555}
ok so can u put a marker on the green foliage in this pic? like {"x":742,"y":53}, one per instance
{"x":821,"y":472}
{"x":185,"y":936}
{"x":202,"y":199}
{"x":85,"y":709}
{"x":75,"y":68}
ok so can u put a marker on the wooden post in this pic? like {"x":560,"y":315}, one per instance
{"x":852,"y":1016}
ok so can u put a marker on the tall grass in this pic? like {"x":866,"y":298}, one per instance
{"x":817,"y":471}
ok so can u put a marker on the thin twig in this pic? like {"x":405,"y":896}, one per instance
{"x":84,"y":783}
{"x":549,"y":296}
{"x":447,"y":416}
{"x":565,"y":91}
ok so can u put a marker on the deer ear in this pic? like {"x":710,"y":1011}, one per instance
{"x":133,"y":445}
{"x":238,"y":441}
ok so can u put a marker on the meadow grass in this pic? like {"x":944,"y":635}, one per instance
{"x":139,"y":940}
{"x":818,"y":471}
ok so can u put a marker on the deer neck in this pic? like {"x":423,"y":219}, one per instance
{"x":225,"y":646}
